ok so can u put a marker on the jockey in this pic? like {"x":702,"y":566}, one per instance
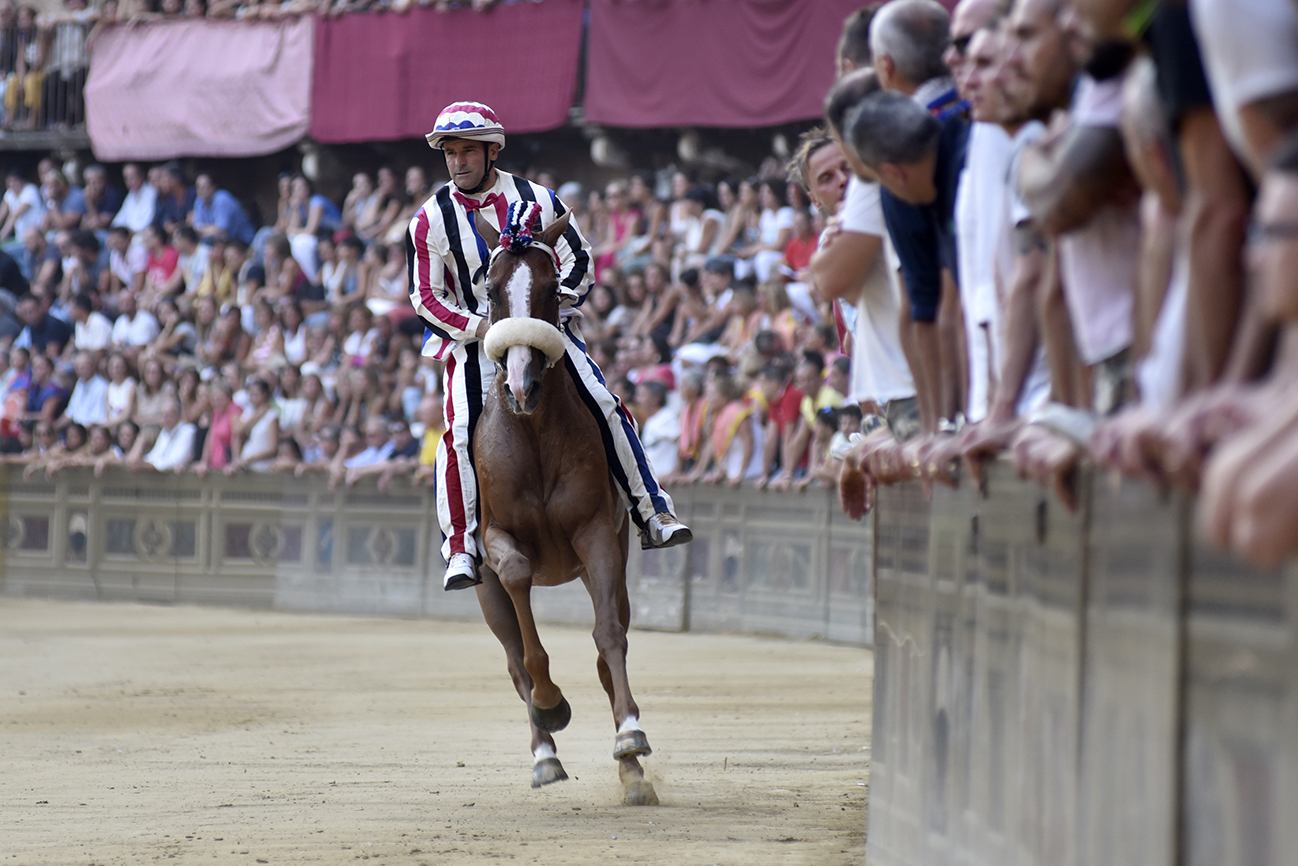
{"x":448,"y":261}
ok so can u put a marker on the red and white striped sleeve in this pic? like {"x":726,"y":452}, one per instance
{"x":430,"y":289}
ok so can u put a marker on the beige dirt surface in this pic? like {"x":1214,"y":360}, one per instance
{"x":132,"y":734}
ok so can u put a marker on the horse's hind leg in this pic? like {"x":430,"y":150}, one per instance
{"x":498,"y":610}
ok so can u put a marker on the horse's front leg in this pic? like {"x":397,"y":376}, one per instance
{"x":498,"y":611}
{"x":548,"y":709}
{"x":604,"y":555}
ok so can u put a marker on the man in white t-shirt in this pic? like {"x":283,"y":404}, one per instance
{"x":141,"y":202}
{"x":134,"y":328}
{"x":22,"y":209}
{"x":173,"y":450}
{"x":89,"y":401}
{"x":661,"y":431}
{"x":92,"y":331}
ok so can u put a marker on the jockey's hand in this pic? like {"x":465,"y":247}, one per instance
{"x":481,"y":333}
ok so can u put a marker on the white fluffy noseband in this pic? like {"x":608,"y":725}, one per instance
{"x":519,"y":331}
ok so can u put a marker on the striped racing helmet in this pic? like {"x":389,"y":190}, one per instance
{"x":471,"y":120}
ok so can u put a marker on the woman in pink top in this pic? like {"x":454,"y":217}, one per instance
{"x":220,"y":435}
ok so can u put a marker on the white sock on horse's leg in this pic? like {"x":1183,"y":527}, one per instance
{"x":631,"y":723}
{"x":543,"y":751}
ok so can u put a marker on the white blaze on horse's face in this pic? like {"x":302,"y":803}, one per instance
{"x":518,"y":296}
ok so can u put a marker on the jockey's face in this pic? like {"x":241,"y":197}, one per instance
{"x":467,"y":160}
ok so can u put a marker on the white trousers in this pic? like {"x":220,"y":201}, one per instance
{"x":465,"y":382}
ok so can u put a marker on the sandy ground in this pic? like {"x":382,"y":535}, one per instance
{"x":132,"y":734}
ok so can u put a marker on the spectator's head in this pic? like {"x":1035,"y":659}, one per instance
{"x":656,"y":278}
{"x":8,"y":13}
{"x":417,"y":181}
{"x":204,"y":188}
{"x":399,"y":433}
{"x":430,"y":413}
{"x":155,"y":239}
{"x":19,"y":359}
{"x":31,"y":311}
{"x":155,"y":376}
{"x":802,"y":224}
{"x":845,"y":94}
{"x":117,"y":369}
{"x":185,"y":240}
{"x":1039,"y":70}
{"x":26,"y":17}
{"x":119,"y":239}
{"x":189,"y":383}
{"x":770,"y":194}
{"x":849,"y":419}
{"x":167,"y":312}
{"x":651,"y":396}
{"x":854,"y":44}
{"x":290,"y":315}
{"x":127,"y":433}
{"x":234,"y":254}
{"x":84,"y":365}
{"x":387,"y":180}
{"x":819,"y":165}
{"x":1273,"y":243}
{"x":126,"y":304}
{"x":826,"y":422}
{"x":46,"y":436}
{"x":984,"y":58}
{"x":330,"y":440}
{"x":34,"y":241}
{"x":718,"y":273}
{"x":362,"y":184}
{"x":85,"y":245}
{"x":132,"y":176}
{"x":908,"y":39}
{"x":221,"y":395}
{"x":263,"y":315}
{"x":15,"y":180}
{"x":94,"y":181}
{"x":42,"y":369}
{"x":351,"y":249}
{"x":840,"y":375}
{"x":82,"y":306}
{"x":897,"y":139}
{"x":968,"y":17}
{"x":195,"y":9}
{"x":258,"y":392}
{"x":772,"y":380}
{"x":810,"y":372}
{"x":173,"y":176}
{"x":56,"y":186}
{"x":100,"y":439}
{"x":300,"y":190}
{"x":278,"y":249}
{"x":171,"y":413}
{"x":376,"y":432}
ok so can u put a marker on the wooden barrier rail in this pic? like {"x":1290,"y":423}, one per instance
{"x":789,"y":565}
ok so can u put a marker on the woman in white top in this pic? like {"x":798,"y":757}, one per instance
{"x":774,"y":227}
{"x":293,"y":330}
{"x":704,"y":225}
{"x":121,"y":392}
{"x":257,"y":431}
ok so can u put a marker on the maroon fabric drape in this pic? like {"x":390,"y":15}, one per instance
{"x":733,"y":63}
{"x":385,"y":76}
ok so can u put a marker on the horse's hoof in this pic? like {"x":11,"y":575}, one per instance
{"x":639,"y":793}
{"x":554,"y":719}
{"x":547,"y":770}
{"x":631,"y":744}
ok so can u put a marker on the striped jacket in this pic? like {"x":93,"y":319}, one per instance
{"x":446,"y":257}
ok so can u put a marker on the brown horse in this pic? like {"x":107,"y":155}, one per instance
{"x":551,"y":512}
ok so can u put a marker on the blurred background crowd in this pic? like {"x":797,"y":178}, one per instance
{"x":1054,"y":228}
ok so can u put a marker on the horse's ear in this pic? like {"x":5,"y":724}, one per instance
{"x":489,"y":234}
{"x":550,"y":234}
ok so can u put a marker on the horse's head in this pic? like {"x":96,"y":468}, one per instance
{"x":523,"y":292}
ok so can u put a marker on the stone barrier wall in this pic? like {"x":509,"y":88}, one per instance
{"x":1089,"y":689}
{"x":787,"y":564}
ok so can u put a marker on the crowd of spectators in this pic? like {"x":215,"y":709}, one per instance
{"x":1022,"y":229}
{"x":1085,"y":212}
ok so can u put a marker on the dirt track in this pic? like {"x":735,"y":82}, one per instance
{"x":132,"y":734}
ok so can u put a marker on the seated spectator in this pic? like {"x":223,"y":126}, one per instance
{"x":774,"y":231}
{"x":177,"y":336}
{"x":309,"y":215}
{"x":359,"y":198}
{"x":256,"y":432}
{"x":402,"y":457}
{"x":152,"y":395}
{"x":38,"y":260}
{"x":322,"y":453}
{"x":81,"y":270}
{"x":100,"y":200}
{"x":389,"y":293}
{"x":99,"y":444}
{"x":175,"y":199}
{"x":191,"y":262}
{"x":127,"y":263}
{"x":660,"y":429}
{"x":226,"y":261}
{"x":192,"y":393}
{"x":285,"y":277}
{"x":732,"y":449}
{"x":70,"y":446}
{"x":217,"y":213}
{"x":289,"y":457}
{"x":141,"y":201}
{"x":294,"y":330}
{"x":384,"y":207}
{"x":219,"y":442}
{"x":268,"y":341}
{"x":173,"y":450}
{"x":43,"y":333}
{"x":92,"y":331}
{"x":342,"y":279}
{"x":22,"y":207}
{"x":65,"y":204}
{"x":162,"y":274}
{"x":89,"y":401}
{"x":433,"y":420}
{"x":134,"y":328}
{"x":46,"y":396}
{"x":120,"y":392}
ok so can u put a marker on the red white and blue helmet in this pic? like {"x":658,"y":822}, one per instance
{"x":471,"y":120}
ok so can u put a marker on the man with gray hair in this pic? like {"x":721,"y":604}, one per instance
{"x":908,"y":39}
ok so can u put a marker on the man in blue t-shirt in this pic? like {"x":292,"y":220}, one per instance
{"x":218,"y":213}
